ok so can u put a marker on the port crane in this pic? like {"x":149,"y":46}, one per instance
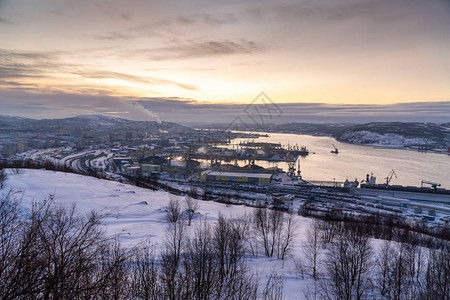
{"x":335,"y":151}
{"x":433,"y":185}
{"x":389,"y":177}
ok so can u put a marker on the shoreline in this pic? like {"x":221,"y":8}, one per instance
{"x":376,"y":146}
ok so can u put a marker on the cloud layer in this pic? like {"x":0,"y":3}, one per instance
{"x":365,"y":52}
{"x":191,"y":112}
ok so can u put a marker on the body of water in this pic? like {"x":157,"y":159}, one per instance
{"x":355,"y":161}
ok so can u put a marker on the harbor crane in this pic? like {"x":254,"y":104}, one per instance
{"x":389,"y":177}
{"x":335,"y":151}
{"x":433,"y":185}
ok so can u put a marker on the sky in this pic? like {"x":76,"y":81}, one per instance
{"x":191,"y":60}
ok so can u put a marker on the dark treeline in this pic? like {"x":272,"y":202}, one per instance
{"x":384,"y":227}
{"x":47,"y":165}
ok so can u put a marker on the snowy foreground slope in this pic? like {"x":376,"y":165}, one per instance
{"x":135,"y":221}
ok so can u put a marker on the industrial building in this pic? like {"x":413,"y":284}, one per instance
{"x":256,"y":178}
{"x":150,"y":170}
{"x":132,"y":170}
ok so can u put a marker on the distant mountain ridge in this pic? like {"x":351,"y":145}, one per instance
{"x":86,"y":121}
{"x":391,"y":134}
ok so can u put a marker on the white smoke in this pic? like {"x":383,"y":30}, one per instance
{"x":139,"y":111}
{"x":132,"y":111}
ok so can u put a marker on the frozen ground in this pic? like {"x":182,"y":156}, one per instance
{"x":138,"y":214}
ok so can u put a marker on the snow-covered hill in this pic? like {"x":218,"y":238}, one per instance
{"x":397,"y":134}
{"x":138,"y":214}
{"x":388,"y":139}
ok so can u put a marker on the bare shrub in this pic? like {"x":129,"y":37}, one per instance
{"x":173,"y":211}
{"x":53,"y":252}
{"x":3,"y":178}
{"x":16,"y":170}
{"x":191,"y":206}
{"x":274,"y":287}
{"x":193,"y":192}
{"x":22,"y":263}
{"x":114,"y":272}
{"x":145,"y":283}
{"x":72,"y":245}
{"x":299,"y":266}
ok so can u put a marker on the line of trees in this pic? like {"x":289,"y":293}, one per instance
{"x":345,"y":265}
{"x":392,"y":227}
{"x":54,"y":252}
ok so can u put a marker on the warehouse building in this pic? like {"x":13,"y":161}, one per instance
{"x":256,"y":178}
{"x":132,"y":170}
{"x":150,"y":170}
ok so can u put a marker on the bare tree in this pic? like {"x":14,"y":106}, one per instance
{"x":232,"y":279}
{"x":268,"y":226}
{"x":274,"y":287}
{"x":145,"y":283}
{"x":173,"y":211}
{"x":347,"y":265}
{"x":313,"y":247}
{"x":72,"y":245}
{"x":384,"y":265}
{"x":200,"y":264}
{"x":171,"y":278}
{"x":22,"y":263}
{"x":192,"y":206}
{"x":437,"y":274}
{"x":114,"y":272}
{"x":52,"y":252}
{"x":3,"y":178}
{"x":247,"y":228}
{"x":299,"y":266}
{"x":395,"y":277}
{"x":328,"y":230}
{"x":286,"y":237}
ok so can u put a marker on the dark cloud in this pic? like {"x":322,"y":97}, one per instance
{"x":28,"y":64}
{"x":10,"y":55}
{"x":208,"y":19}
{"x":186,"y":49}
{"x":115,"y":36}
{"x":18,"y":72}
{"x":325,"y":10}
{"x":43,"y":105}
{"x":15,"y":64}
{"x":191,"y":112}
{"x":132,"y":78}
{"x":13,"y":83}
{"x":5,"y":21}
